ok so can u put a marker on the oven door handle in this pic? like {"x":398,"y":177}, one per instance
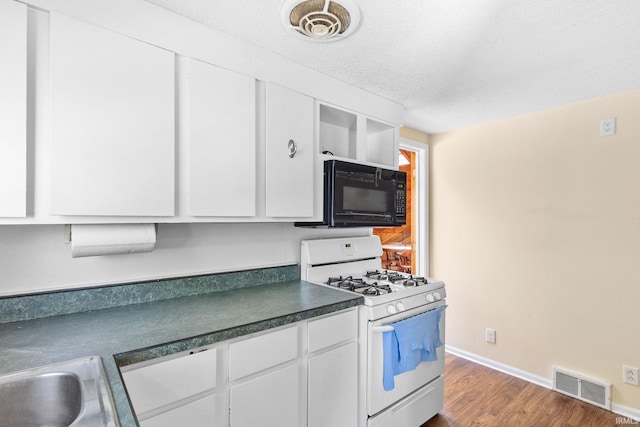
{"x":382,"y":328}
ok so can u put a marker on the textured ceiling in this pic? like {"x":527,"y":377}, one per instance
{"x":455,"y":63}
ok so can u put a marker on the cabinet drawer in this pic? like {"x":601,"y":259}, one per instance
{"x":262,"y":352}
{"x":198,"y":413}
{"x":156,"y":385}
{"x":328,"y":331}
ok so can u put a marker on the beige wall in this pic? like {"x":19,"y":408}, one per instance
{"x":536,"y":231}
{"x":414,"y":135}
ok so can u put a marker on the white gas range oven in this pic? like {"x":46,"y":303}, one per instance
{"x":397,"y":307}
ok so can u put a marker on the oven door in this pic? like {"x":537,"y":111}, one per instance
{"x":408,"y":382}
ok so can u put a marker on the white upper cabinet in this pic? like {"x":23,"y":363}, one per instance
{"x":290,"y":153}
{"x":222,"y":142}
{"x":155,"y":118}
{"x":13,"y":109}
{"x":381,"y":143}
{"x":356,"y":137}
{"x":112,"y":123}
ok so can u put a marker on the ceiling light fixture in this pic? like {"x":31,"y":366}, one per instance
{"x":321,"y":20}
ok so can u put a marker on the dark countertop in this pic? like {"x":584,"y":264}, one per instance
{"x":137,"y":332}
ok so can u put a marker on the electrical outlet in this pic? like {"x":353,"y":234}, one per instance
{"x":490,"y":335}
{"x":608,"y":127}
{"x":630,"y":375}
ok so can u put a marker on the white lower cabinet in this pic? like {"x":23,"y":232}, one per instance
{"x":199,"y":413}
{"x":264,"y":380}
{"x":301,"y":375}
{"x":333,"y":371}
{"x":271,"y":399}
{"x":333,"y":383}
{"x":182,"y":387}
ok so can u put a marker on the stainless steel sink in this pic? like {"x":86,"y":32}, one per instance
{"x":69,"y":394}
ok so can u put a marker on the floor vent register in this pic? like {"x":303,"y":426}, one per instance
{"x":582,"y":387}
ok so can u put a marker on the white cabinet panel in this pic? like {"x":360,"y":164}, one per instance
{"x":222,"y":142}
{"x":200,"y":413}
{"x":268,"y":400}
{"x":333,"y":387}
{"x":333,"y":370}
{"x":265,"y":351}
{"x":289,"y":180}
{"x":354,"y":136}
{"x":265,"y":380}
{"x":153,"y":386}
{"x":112,"y":123}
{"x":13,"y":109}
{"x":332,"y":330}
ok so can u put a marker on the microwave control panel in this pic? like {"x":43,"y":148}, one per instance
{"x":401,"y":202}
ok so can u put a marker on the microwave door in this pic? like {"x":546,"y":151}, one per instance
{"x":361,"y":202}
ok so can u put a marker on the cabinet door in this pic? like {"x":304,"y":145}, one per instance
{"x":333,"y":383}
{"x":268,"y":400}
{"x":289,"y":180}
{"x":333,"y":370}
{"x":112,"y":123}
{"x":222,"y":142}
{"x":13,"y":109}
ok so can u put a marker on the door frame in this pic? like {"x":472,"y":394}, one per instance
{"x":421,"y":194}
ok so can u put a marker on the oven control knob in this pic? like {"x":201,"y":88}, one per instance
{"x":430,"y":298}
{"x":391,"y":309}
{"x":437,"y":295}
{"x":400,"y":306}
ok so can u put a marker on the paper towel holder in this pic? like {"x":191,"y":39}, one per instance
{"x":67,"y":232}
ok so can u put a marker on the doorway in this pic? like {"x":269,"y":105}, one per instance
{"x":405,"y":248}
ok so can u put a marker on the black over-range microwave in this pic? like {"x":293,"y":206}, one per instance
{"x":357,"y":195}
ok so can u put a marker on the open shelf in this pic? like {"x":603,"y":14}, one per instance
{"x":349,"y":135}
{"x":380,"y":142}
{"x":338,"y":132}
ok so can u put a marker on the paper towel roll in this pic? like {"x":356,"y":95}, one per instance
{"x":111,"y":239}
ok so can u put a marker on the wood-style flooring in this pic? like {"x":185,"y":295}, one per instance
{"x":475,"y":395}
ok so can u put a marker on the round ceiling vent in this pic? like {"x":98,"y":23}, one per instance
{"x":321,"y":20}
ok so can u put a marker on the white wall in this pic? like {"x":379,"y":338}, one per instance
{"x":35,"y":257}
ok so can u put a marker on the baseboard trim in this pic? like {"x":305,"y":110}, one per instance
{"x":507,"y":369}
{"x":625,"y":411}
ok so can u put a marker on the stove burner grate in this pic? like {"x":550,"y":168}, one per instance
{"x":415,"y":281}
{"x":392,"y":276}
{"x":359,"y":285}
{"x":372,"y":289}
{"x":379,"y":287}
